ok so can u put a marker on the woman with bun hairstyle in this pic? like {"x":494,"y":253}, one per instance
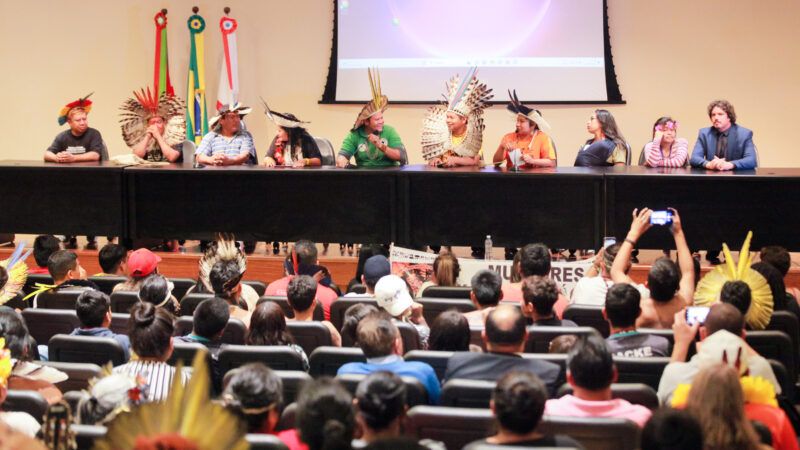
{"x":150,"y":329}
{"x":325,"y":415}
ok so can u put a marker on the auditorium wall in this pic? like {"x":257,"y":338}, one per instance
{"x":671,"y":58}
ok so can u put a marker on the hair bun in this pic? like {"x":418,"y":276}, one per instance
{"x":144,"y":314}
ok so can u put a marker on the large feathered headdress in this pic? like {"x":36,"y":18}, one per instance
{"x":285,"y":120}
{"x":761,"y":304}
{"x":379,"y":102}
{"x":84,"y":103}
{"x":222,"y":249}
{"x":17,"y":272}
{"x":144,"y":105}
{"x":517,"y":108}
{"x":466,"y":98}
{"x":186,"y":419}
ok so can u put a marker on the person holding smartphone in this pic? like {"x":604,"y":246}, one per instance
{"x":671,"y":285}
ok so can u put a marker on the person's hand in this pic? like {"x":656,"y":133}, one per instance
{"x":152,"y":130}
{"x":658,"y":135}
{"x":268,"y":162}
{"x":434,"y":162}
{"x":375,"y":140}
{"x":65,"y":157}
{"x":682,"y":332}
{"x":319,"y":276}
{"x":341,"y":161}
{"x":714,"y":164}
{"x":299,"y":163}
{"x":416,"y":312}
{"x":640,"y":223}
{"x":676,"y":227}
{"x":219,"y":159}
{"x":725,"y":165}
{"x":528,"y":159}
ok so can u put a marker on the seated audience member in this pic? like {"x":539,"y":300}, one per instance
{"x":445,"y":273}
{"x":391,"y":293}
{"x":301,"y":293}
{"x":671,"y":285}
{"x":539,"y":295}
{"x":450,"y":332}
{"x":157,"y":289}
{"x":307,"y":264}
{"x":367,"y":251}
{"x":150,"y":330}
{"x":535,"y":259}
{"x":141,"y":263}
{"x":504,"y":338}
{"x":94,"y":312}
{"x":325,"y":417}
{"x":268,"y":327}
{"x":780,"y":259}
{"x":208,"y":323}
{"x":43,"y":246}
{"x":375,"y":268}
{"x":736,"y":293}
{"x":717,"y":402}
{"x":226,"y":283}
{"x":518,"y":403}
{"x":563,"y":343}
{"x":607,"y":147}
{"x":592,"y":288}
{"x":672,"y":429}
{"x":486,"y":293}
{"x":352,"y":317}
{"x":621,"y":311}
{"x":760,"y":404}
{"x":781,"y":300}
{"x":380,"y":402}
{"x":19,"y":421}
{"x":381,"y":343}
{"x":67,"y":273}
{"x":721,"y":339}
{"x":590,"y":372}
{"x":666,"y":149}
{"x":112,"y":258}
{"x":107,"y":397}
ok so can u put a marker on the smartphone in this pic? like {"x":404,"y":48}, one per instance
{"x":608,"y":241}
{"x":696,"y":314}
{"x":661,"y":218}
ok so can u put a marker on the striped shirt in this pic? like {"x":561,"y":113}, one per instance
{"x":214,"y":143}
{"x":677,"y":155}
{"x":157,"y":375}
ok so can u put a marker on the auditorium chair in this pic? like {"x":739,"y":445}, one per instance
{"x":325,"y":361}
{"x":476,"y":337}
{"x":60,"y":299}
{"x":788,"y":387}
{"x":17,"y":302}
{"x":119,"y":322}
{"x":46,"y":323}
{"x":774,"y":345}
{"x":106,"y":283}
{"x":326,"y":151}
{"x":187,"y":150}
{"x":641,"y":370}
{"x":410,"y":336}
{"x":288,"y":415}
{"x":447,"y":292}
{"x":86,"y":349}
{"x":181,"y":286}
{"x":87,"y":435}
{"x":31,"y":402}
{"x":436,"y":359}
{"x":588,"y":316}
{"x":190,"y":301}
{"x":455,"y":427}
{"x":594,"y":433}
{"x":559,"y":359}
{"x":73,"y":398}
{"x":416,"y":393}
{"x":257,"y":286}
{"x":668,"y":335}
{"x":636,"y":393}
{"x":539,"y":337}
{"x":34,"y":279}
{"x":234,"y":332}
{"x":123,"y":301}
{"x":341,"y":304}
{"x":462,"y":393}
{"x":309,"y":335}
{"x":80,"y":374}
{"x":276,"y":357}
{"x":292,"y":381}
{"x":185,"y":352}
{"x":259,"y":441}
{"x":432,"y":307}
{"x":788,"y":323}
{"x":283,"y":302}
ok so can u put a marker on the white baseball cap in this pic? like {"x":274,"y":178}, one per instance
{"x":391,"y":292}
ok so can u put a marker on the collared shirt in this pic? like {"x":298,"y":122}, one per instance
{"x":367,"y":155}
{"x":214,"y":144}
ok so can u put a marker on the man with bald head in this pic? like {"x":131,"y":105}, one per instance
{"x":504,"y":336}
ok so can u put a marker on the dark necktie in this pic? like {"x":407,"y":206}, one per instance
{"x":722,"y":145}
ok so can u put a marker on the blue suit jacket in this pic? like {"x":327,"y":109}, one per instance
{"x":741,"y":150}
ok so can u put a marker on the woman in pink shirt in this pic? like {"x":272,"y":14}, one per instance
{"x":666,"y":149}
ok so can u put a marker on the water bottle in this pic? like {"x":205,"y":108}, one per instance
{"x":487,"y":247}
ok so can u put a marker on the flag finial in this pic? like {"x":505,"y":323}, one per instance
{"x":226,"y":10}
{"x":195,"y":9}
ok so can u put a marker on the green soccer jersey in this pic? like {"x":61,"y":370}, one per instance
{"x":366,"y":154}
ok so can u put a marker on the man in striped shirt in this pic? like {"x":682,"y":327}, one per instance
{"x":228,"y":144}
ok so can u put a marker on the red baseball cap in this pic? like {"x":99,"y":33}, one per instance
{"x":142,"y":262}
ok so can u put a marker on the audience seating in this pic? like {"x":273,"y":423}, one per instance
{"x":588,"y":316}
{"x":80,"y":374}
{"x":190,"y":302}
{"x":476,"y":337}
{"x":17,"y":302}
{"x":106,"y":283}
{"x":277,"y":357}
{"x":286,"y":422}
{"x":182,"y":285}
{"x":292,"y":382}
{"x":234,"y":332}
{"x":283,"y":302}
{"x":326,"y":151}
{"x":60,"y":299}
{"x":787,"y":322}
{"x":30,"y":402}
{"x":325,"y":361}
{"x":185,"y":352}
{"x":123,"y":301}
{"x":455,"y":427}
{"x":86,"y":435}
{"x":436,"y":359}
{"x":560,"y":359}
{"x":539,"y":337}
{"x":774,"y":345}
{"x":667,"y":334}
{"x":357,"y":288}
{"x":341,"y":304}
{"x":46,"y":323}
{"x":641,"y":370}
{"x":309,"y":335}
{"x":410,"y":336}
{"x":463,"y":393}
{"x":265,"y":442}
{"x":432,"y":307}
{"x":34,"y":279}
{"x":595,"y":433}
{"x":788,"y":388}
{"x":86,"y":349}
{"x":416,"y":394}
{"x":73,"y":398}
{"x":119,"y":322}
{"x":447,"y":292}
{"x":257,"y":286}
{"x":636,"y":393}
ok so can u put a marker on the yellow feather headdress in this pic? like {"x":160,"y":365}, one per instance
{"x":379,"y":102}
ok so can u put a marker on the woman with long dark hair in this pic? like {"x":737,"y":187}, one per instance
{"x":268,"y":327}
{"x":666,"y":149}
{"x":607,"y":147}
{"x":292,"y":145}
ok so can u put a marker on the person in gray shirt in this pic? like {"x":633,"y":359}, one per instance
{"x":621,"y":311}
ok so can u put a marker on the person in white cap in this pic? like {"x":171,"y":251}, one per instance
{"x":391,"y":293}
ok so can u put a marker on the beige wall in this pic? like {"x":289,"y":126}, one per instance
{"x":671,"y":58}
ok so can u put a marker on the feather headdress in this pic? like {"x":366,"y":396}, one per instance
{"x":144,"y":105}
{"x":17,"y":273}
{"x":710,"y":286}
{"x":517,"y":108}
{"x":285,"y":120}
{"x":222,"y":249}
{"x":379,"y":102}
{"x":84,"y":103}
{"x":466,"y":98}
{"x":186,"y":419}
{"x":235,"y":107}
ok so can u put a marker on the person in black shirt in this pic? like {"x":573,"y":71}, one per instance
{"x":80,"y":143}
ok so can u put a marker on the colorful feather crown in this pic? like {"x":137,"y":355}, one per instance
{"x":84,"y":103}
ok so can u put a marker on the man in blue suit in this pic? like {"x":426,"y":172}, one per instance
{"x":725,"y":145}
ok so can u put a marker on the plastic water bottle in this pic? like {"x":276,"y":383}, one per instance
{"x":487,"y":247}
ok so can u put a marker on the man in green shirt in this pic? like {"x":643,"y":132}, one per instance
{"x":370,"y":142}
